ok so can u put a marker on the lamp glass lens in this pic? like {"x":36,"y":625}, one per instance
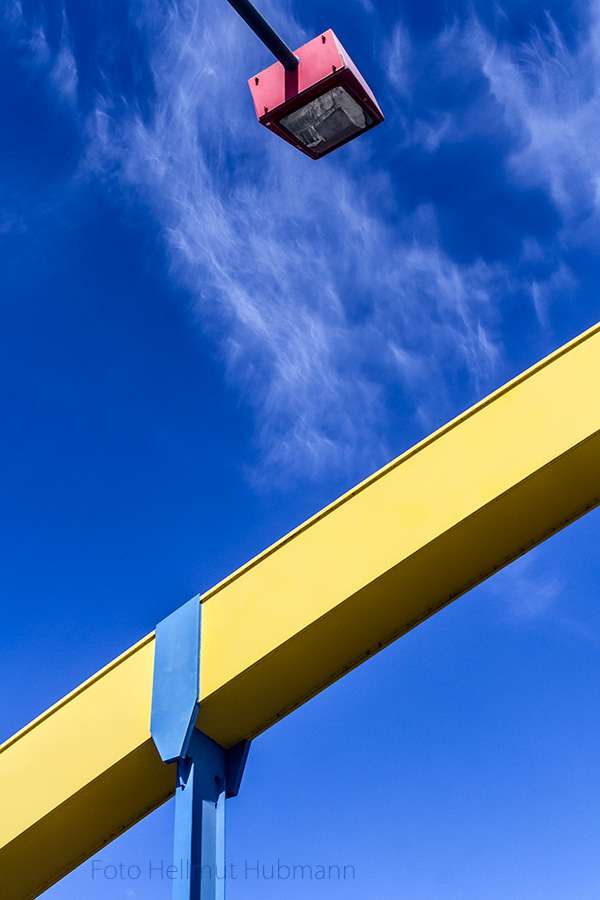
{"x":327,"y":120}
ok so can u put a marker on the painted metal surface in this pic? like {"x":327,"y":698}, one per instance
{"x":207,"y":774}
{"x":462,"y":504}
{"x":484,"y":489}
{"x":80,"y":775}
{"x":323,"y":65}
{"x":199,"y":842}
{"x":236,"y":763}
{"x":176,"y":690}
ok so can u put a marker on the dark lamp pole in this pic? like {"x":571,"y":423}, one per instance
{"x":268,"y":36}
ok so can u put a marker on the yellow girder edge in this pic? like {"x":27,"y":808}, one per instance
{"x":79,"y":775}
{"x":479,"y":492}
{"x":441,"y":518}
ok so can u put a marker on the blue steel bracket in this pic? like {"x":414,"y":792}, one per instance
{"x":176,"y":685}
{"x":176,"y":692}
{"x":235,"y":764}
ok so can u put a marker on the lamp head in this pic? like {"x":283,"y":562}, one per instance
{"x":319,"y":106}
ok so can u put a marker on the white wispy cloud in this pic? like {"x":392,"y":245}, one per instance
{"x":554,"y":91}
{"x":276,"y":252}
{"x":529,"y":590}
{"x":60,"y":66}
{"x":534,"y":590}
{"x":319,"y":296}
{"x":548,"y":92}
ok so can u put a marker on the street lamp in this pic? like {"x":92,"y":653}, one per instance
{"x":314,"y":98}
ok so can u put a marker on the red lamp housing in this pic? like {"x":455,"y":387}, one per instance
{"x":319,"y":106}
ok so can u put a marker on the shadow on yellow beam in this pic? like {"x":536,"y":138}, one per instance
{"x":484,"y":489}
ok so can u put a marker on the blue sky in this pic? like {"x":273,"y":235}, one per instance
{"x":206,"y":336}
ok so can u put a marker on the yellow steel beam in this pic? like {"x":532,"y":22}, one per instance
{"x":79,"y":775}
{"x":490,"y":485}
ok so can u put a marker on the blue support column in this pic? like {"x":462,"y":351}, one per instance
{"x":199,"y":846}
{"x":206,"y":772}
